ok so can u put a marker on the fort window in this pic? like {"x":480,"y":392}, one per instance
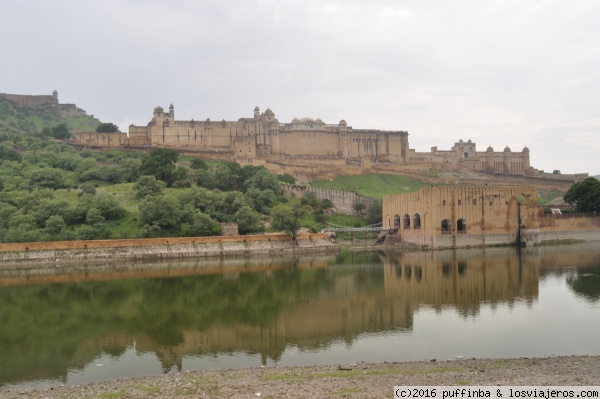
{"x":459,"y":202}
{"x":474,"y":202}
{"x":461,"y":226}
{"x":443,"y":202}
{"x":417,"y":221}
{"x":396,"y":222}
{"x":446,"y":227}
{"x":406,"y":222}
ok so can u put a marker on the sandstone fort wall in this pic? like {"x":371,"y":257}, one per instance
{"x":311,"y":149}
{"x":477,"y":216}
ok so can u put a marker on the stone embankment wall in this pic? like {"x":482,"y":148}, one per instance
{"x":178,"y":247}
{"x":343,"y":201}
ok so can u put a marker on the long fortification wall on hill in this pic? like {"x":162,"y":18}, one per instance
{"x":31,"y":101}
{"x":343,"y":201}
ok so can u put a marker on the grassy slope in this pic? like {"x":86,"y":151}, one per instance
{"x":376,"y":186}
{"x":546,"y":196}
{"x":33,"y":120}
{"x":373,"y":185}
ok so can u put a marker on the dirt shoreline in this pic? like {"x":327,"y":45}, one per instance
{"x":363,"y":380}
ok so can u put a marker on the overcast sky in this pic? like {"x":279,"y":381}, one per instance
{"x":501,"y":72}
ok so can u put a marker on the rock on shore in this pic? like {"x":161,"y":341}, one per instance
{"x":341,"y":381}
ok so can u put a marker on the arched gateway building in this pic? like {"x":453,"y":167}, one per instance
{"x":460,"y":216}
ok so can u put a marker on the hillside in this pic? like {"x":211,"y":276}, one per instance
{"x":373,"y":185}
{"x":378,"y":185}
{"x":33,"y":119}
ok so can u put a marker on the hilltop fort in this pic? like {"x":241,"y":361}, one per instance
{"x":312,"y":149}
{"x":42,"y":102}
{"x":306,"y":148}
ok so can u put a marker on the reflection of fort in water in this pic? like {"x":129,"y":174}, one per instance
{"x":358,"y":300}
{"x":331,"y":300}
{"x":463,"y":279}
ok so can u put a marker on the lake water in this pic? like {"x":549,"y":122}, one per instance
{"x":95,"y":322}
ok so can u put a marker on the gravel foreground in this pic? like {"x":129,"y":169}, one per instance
{"x":361,"y":380}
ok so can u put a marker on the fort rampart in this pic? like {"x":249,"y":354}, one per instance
{"x":343,"y":201}
{"x":31,"y":101}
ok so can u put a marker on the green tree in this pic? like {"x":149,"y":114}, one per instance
{"x":46,"y":178}
{"x":60,"y":131}
{"x":198,"y":163}
{"x":148,"y":185}
{"x":288,"y":218}
{"x":200,"y":225}
{"x":286,"y":178}
{"x":129,"y":170}
{"x":45,"y":208}
{"x":110,"y":208}
{"x":264,"y":180}
{"x":6,"y":212}
{"x":55,"y":224}
{"x":222,"y":177}
{"x":375,"y":212}
{"x":94,"y":217}
{"x":198,"y":197}
{"x":107,"y":128}
{"x":88,"y":188}
{"x":163,"y":210}
{"x":585,"y":195}
{"x":25,"y":222}
{"x":359,"y":209}
{"x":224,"y":205}
{"x":7,"y":153}
{"x":87,"y":232}
{"x":248,"y":220}
{"x":263,"y":200}
{"x":162,"y":164}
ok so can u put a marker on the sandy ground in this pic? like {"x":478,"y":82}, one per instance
{"x":342,"y":381}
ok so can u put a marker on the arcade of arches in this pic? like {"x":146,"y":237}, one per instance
{"x":434,"y":212}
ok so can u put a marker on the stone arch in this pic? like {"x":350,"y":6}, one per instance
{"x":417,"y":221}
{"x":461,"y":226}
{"x":406,"y":221}
{"x":396,"y":222}
{"x":446,"y":227}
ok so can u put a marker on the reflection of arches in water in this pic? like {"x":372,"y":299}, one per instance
{"x":462,"y":267}
{"x":461,"y":226}
{"x":407,"y":271}
{"x":446,"y":227}
{"x":446,"y":268}
{"x":396,"y":222}
{"x":397,"y":268}
{"x":406,"y":221}
{"x":417,"y":221}
{"x":418,"y":273}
